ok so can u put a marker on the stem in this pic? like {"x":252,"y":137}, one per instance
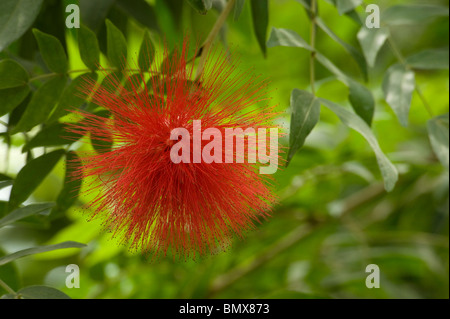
{"x":402,"y":60}
{"x":211,"y":36}
{"x":312,"y":39}
{"x":7,"y":288}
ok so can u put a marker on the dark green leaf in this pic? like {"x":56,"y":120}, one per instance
{"x":31,"y":175}
{"x":24,"y":212}
{"x":202,"y":6}
{"x":39,"y":249}
{"x":362,"y":101}
{"x":238,"y":6}
{"x":72,"y":183}
{"x":88,"y":46}
{"x":10,"y":98}
{"x":398,"y":86}
{"x":102,"y":140}
{"x":305,"y":109}
{"x":41,"y":292}
{"x":412,"y":13}
{"x":146,"y":53}
{"x":16,"y":16}
{"x":429,"y":60}
{"x":93,"y":13}
{"x":12,"y":74}
{"x":345,"y":6}
{"x":73,"y":96}
{"x":260,"y":17}
{"x":116,"y":45}
{"x":388,"y":170}
{"x":41,"y":104}
{"x":4,"y":184}
{"x":52,"y":51}
{"x":143,"y":12}
{"x":438,"y":132}
{"x":371,"y":41}
{"x":53,"y":135}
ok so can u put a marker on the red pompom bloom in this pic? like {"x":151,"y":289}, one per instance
{"x":187,"y":208}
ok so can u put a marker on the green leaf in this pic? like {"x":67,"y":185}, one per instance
{"x":430,"y":59}
{"x":93,"y":13}
{"x":398,"y":86}
{"x":140,"y":10}
{"x":24,"y":212}
{"x":72,"y":184}
{"x":357,"y":56}
{"x":31,"y":175}
{"x":260,"y":18}
{"x":438,"y":132}
{"x":74,"y":96}
{"x":12,"y":74}
{"x":39,"y":249}
{"x":371,"y":41}
{"x":388,"y":170}
{"x":52,"y":135}
{"x":286,"y":38}
{"x":102,"y":140}
{"x":10,"y":98}
{"x":16,"y":16}
{"x":52,"y":51}
{"x":88,"y":46}
{"x":413,"y":13}
{"x":362,"y":101}
{"x":238,"y":7}
{"x":41,"y":292}
{"x":202,"y":6}
{"x":146,"y":53}
{"x":4,"y":184}
{"x":116,"y":45}
{"x":344,"y":6}
{"x":41,"y":104}
{"x":305,"y":115}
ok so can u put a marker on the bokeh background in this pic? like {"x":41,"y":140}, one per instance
{"x":334,"y":217}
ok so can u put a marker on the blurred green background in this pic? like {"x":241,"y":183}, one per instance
{"x":334,"y":217}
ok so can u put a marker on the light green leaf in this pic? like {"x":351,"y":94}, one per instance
{"x":238,"y":6}
{"x":286,"y":38}
{"x":12,"y":97}
{"x":344,"y":6}
{"x":31,"y":175}
{"x":388,"y":170}
{"x":116,"y":45}
{"x":371,"y":41}
{"x":12,"y":74}
{"x":41,"y":292}
{"x":146,"y":53}
{"x":16,"y":16}
{"x":88,"y":46}
{"x":52,"y":51}
{"x":41,"y":104}
{"x":430,"y":59}
{"x":398,"y":86}
{"x":24,"y":212}
{"x":413,"y":13}
{"x":38,"y":250}
{"x":357,"y":56}
{"x":305,"y":109}
{"x":202,"y":6}
{"x":438,"y":132}
{"x":260,"y":18}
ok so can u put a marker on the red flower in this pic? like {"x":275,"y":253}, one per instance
{"x":152,"y":203}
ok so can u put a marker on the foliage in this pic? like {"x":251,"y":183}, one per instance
{"x":366,"y":112}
